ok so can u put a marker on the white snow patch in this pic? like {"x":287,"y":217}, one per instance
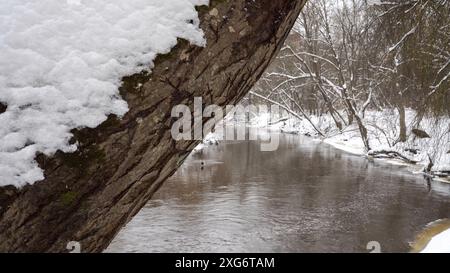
{"x":61,"y":63}
{"x":352,"y":146}
{"x":209,"y":140}
{"x":439,"y":243}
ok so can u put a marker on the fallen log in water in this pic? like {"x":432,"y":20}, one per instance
{"x":391,"y":154}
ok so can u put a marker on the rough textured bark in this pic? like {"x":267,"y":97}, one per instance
{"x":402,"y":136}
{"x":89,"y":195}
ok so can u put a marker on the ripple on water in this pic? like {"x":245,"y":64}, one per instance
{"x":304,"y":197}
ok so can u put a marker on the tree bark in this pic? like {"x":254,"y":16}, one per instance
{"x":89,"y":195}
{"x":402,"y":122}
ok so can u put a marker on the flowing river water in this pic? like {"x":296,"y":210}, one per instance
{"x":304,"y":197}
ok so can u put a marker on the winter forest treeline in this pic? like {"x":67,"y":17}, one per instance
{"x":357,"y":62}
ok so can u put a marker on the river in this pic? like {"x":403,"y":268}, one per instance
{"x":304,"y":197}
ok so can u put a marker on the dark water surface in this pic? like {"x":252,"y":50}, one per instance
{"x":305,"y":197}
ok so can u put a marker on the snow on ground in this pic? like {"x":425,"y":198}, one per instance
{"x":439,"y":243}
{"x":383,"y":131}
{"x":61,"y":63}
{"x":209,"y":139}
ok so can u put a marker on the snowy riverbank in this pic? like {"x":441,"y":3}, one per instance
{"x":382,"y":132}
{"x":439,"y":243}
{"x":434,"y":238}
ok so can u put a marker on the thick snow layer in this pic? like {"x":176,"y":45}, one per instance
{"x":61,"y":63}
{"x":439,"y":243}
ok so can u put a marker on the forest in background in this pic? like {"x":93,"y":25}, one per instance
{"x":375,"y":71}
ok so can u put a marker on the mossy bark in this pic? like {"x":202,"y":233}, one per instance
{"x":89,"y":195}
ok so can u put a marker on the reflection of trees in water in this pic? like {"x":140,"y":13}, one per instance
{"x":305,"y":196}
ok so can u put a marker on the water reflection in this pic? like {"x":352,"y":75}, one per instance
{"x":304,"y":197}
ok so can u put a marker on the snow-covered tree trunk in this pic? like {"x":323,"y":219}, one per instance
{"x":89,"y":195}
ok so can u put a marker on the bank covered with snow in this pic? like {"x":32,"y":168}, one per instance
{"x":61,"y":64}
{"x":439,"y":243}
{"x":383,"y":131}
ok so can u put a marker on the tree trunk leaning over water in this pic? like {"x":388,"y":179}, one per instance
{"x":89,"y":195}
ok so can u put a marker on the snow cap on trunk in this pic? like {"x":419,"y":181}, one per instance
{"x":61,"y":64}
